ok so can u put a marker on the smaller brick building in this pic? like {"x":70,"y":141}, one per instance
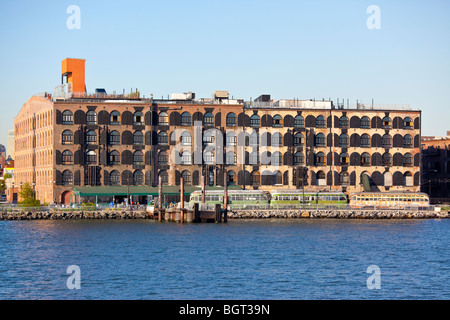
{"x":436,"y":167}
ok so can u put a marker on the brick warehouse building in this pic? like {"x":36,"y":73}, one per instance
{"x":75,"y":139}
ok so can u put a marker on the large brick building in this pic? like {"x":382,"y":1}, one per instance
{"x":77,"y":139}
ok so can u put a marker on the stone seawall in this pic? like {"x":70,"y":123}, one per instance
{"x":336,"y":214}
{"x":74,"y":215}
{"x":241,"y":214}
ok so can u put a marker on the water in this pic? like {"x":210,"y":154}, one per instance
{"x":274,"y":260}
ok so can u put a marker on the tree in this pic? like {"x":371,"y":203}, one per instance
{"x":28,"y":196}
{"x":3,"y":183}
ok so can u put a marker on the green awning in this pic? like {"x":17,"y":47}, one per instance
{"x":108,"y":191}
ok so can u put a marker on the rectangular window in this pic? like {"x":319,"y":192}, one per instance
{"x":231,"y":140}
{"x":67,"y":158}
{"x":114,"y":139}
{"x":231,"y":122}
{"x":67,"y":118}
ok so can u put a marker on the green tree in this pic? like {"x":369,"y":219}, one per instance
{"x":28,"y":196}
{"x":3,"y":183}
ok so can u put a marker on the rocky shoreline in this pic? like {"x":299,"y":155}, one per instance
{"x":338,"y":214}
{"x":244,"y":214}
{"x":74,"y":215}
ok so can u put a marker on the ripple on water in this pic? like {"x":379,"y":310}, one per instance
{"x":278,"y":259}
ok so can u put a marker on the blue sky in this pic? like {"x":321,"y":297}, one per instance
{"x":289,"y":49}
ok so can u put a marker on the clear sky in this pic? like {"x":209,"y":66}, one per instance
{"x":289,"y":49}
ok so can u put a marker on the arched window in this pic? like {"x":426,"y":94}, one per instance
{"x":91,"y":137}
{"x":114,"y":118}
{"x":231,"y":120}
{"x":407,"y":160}
{"x":67,"y":117}
{"x":231,"y":158}
{"x":186,"y":175}
{"x":255,"y":121}
{"x":91,"y":117}
{"x":255,"y":178}
{"x":254,"y":139}
{"x":185,"y":139}
{"x":387,"y":159}
{"x":254,"y":158}
{"x":186,"y":158}
{"x":320,"y":159}
{"x":343,"y":158}
{"x":320,"y":140}
{"x":277,"y":121}
{"x":67,"y":137}
{"x":231,"y":178}
{"x":163,"y":157}
{"x":320,"y":122}
{"x":407,"y":141}
{"x":138,"y":178}
{"x":408,"y":179}
{"x":299,"y":140}
{"x":299,"y":122}
{"x":208,"y":119}
{"x":387,"y":179}
{"x":299,"y":158}
{"x":277,"y":140}
{"x":208,"y":157}
{"x":138,"y":118}
{"x":114,"y":178}
{"x":208,"y":137}
{"x":114,"y":138}
{"x":114,"y":157}
{"x":67,"y":178}
{"x":386,"y":141}
{"x":91,"y":157}
{"x":343,"y":122}
{"x":320,"y":178}
{"x":277,"y":178}
{"x":67,"y":157}
{"x":344,"y":178}
{"x":343,"y":140}
{"x":386,"y":123}
{"x":277,"y":159}
{"x":138,"y":138}
{"x":231,"y":139}
{"x":163,"y":119}
{"x":365,"y":123}
{"x":365,"y":159}
{"x":407,"y":123}
{"x":186,"y":119}
{"x":365,"y":141}
{"x":138,"y":158}
{"x":164,"y":177}
{"x":163,"y":138}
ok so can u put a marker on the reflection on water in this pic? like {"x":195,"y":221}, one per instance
{"x":276,"y":259}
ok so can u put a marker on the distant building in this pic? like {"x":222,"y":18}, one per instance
{"x":436,"y":167}
{"x":10,"y":144}
{"x":72,"y":139}
{"x":2,"y":159}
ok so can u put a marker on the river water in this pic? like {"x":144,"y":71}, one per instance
{"x":270,"y":260}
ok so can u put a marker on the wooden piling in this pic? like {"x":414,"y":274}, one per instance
{"x":218,"y":210}
{"x":225,"y":190}
{"x":196,"y":213}
{"x":203,"y":190}
{"x":181,"y":200}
